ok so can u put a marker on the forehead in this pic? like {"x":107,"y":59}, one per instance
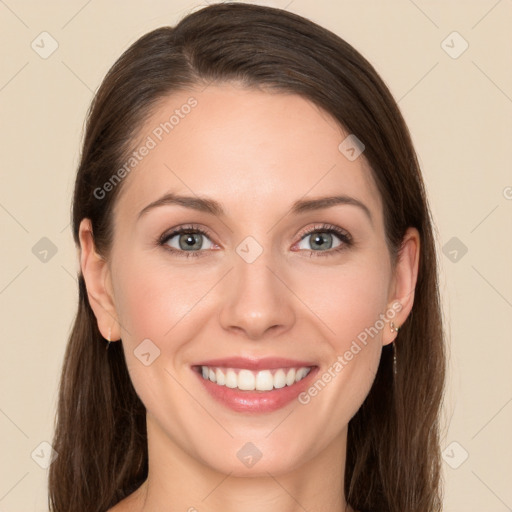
{"x":244,"y":147}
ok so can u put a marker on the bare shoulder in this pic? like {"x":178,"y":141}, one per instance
{"x":122,"y":506}
{"x":118,"y":508}
{"x":132,"y":503}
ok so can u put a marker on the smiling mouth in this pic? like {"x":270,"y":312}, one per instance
{"x":248,"y":380}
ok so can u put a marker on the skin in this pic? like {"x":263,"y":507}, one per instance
{"x":255,"y":153}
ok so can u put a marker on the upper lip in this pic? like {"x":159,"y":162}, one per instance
{"x":265,"y":363}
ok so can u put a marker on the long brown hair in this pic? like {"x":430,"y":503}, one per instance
{"x":393,"y":452}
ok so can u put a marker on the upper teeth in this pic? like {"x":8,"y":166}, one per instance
{"x":247,"y":380}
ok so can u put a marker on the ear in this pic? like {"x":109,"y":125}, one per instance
{"x":98,"y":282}
{"x":403,"y":284}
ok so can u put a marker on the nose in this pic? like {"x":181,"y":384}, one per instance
{"x":257,"y":299}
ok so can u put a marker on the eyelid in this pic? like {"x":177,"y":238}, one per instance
{"x":169,"y":233}
{"x":321,"y":227}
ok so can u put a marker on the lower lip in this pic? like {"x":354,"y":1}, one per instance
{"x":256,"y":401}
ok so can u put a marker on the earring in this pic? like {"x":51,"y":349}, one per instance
{"x":394,"y":358}
{"x":394,"y":328}
{"x":108,"y":337}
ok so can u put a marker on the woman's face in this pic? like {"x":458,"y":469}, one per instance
{"x":278,"y":281}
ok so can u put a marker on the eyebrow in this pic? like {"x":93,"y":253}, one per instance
{"x":211,"y":206}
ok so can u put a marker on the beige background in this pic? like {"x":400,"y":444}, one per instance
{"x":459,"y":112}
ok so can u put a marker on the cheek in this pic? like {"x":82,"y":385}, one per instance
{"x":353,"y":307}
{"x":159,"y":303}
{"x":153,"y":297}
{"x":352,"y":299}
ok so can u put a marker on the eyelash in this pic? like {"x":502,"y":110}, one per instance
{"x":343,"y":235}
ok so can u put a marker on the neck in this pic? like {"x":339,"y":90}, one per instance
{"x":176,"y":478}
